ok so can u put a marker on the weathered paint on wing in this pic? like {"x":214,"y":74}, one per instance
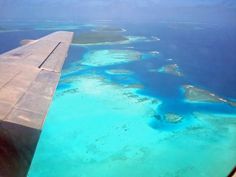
{"x":28,"y":78}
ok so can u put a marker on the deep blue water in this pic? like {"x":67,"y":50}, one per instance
{"x":204,"y":53}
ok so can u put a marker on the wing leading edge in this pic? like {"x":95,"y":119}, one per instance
{"x":28,"y":78}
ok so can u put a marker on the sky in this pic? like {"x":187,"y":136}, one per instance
{"x":202,"y":11}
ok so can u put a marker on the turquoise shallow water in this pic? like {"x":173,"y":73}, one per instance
{"x":97,"y":130}
{"x":118,"y":113}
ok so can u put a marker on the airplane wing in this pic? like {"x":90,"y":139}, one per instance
{"x":28,"y":78}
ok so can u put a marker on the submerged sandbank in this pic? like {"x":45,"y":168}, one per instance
{"x":109,"y":57}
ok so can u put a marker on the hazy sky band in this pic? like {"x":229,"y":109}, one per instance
{"x":131,"y":10}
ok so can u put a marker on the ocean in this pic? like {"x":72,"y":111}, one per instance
{"x":160,"y":104}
